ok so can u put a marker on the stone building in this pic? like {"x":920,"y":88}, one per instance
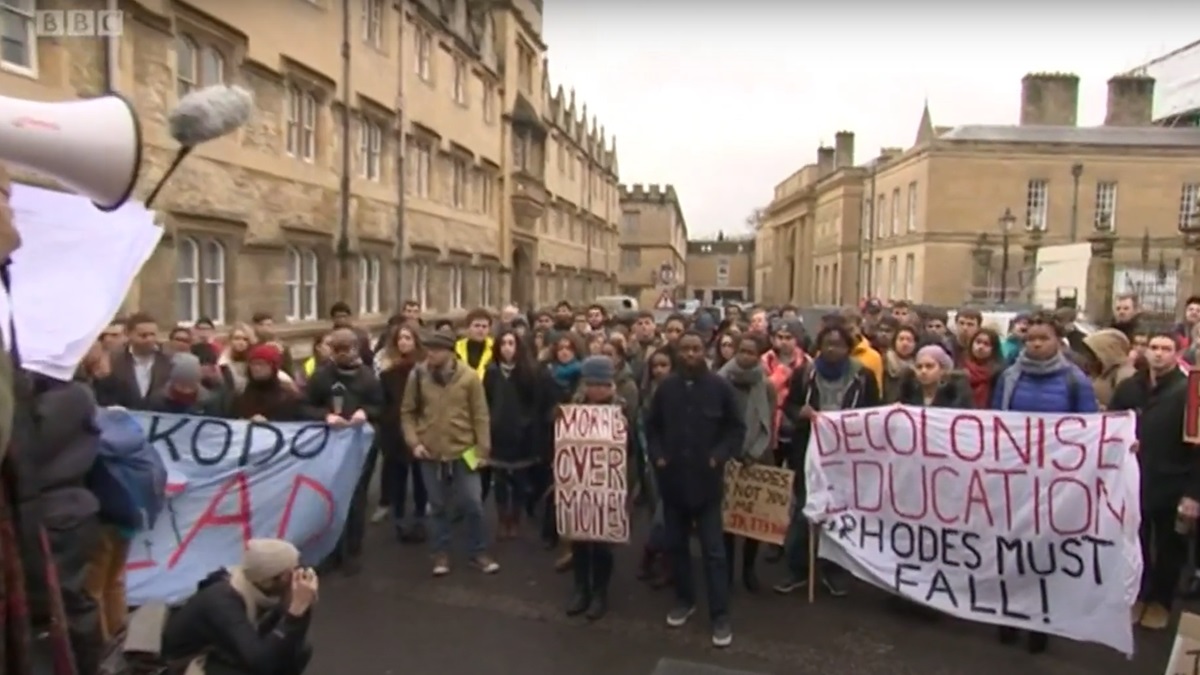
{"x":254,"y":221}
{"x":721,"y":269}
{"x":653,"y":245}
{"x":926,"y":222}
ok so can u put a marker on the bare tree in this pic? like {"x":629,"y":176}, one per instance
{"x":755,"y":219}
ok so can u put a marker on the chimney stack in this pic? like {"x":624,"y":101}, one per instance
{"x":825,"y":159}
{"x":1130,"y":101}
{"x":843,"y":149}
{"x":1049,"y":99}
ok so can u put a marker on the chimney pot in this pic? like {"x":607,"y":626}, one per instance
{"x":1049,"y":99}
{"x":843,"y":149}
{"x":825,"y":160}
{"x":1130,"y":101}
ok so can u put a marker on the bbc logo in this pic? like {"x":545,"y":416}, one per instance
{"x":78,"y":23}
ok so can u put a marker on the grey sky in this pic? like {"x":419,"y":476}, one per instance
{"x":726,"y":103}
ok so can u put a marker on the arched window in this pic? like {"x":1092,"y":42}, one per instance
{"x":187,"y":278}
{"x":292,"y":283}
{"x":185,"y":65}
{"x":212,"y":67}
{"x":213,"y":263}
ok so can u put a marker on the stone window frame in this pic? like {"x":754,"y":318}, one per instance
{"x":317,"y":89}
{"x":380,"y":255}
{"x":209,"y":37}
{"x":213,"y":238}
{"x":309,"y":244}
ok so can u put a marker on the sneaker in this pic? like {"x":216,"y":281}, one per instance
{"x":791,"y":585}
{"x":833,"y":587}
{"x":679,"y":616}
{"x":486,"y":564}
{"x":380,"y":513}
{"x":441,"y":565}
{"x":722,"y":633}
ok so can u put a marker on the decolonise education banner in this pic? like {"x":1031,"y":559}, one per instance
{"x":1021,"y":520}
{"x":232,"y":480}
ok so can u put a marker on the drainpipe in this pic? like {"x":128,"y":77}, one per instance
{"x":401,"y":176}
{"x":112,"y":55}
{"x":343,"y":240}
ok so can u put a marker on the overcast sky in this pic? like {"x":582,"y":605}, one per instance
{"x":725,"y":103}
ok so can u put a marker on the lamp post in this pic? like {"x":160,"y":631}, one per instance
{"x":1007,"y":220}
{"x":1076,"y":173}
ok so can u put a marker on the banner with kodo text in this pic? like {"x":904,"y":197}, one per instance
{"x":1014,"y":519}
{"x":230,"y":481}
{"x":591,"y":467}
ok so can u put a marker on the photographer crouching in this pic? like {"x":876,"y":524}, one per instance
{"x":249,"y":619}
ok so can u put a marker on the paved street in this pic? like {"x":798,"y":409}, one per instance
{"x":395,"y":618}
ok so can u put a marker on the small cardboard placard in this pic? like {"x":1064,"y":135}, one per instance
{"x":1185,"y":655}
{"x":758,"y":501}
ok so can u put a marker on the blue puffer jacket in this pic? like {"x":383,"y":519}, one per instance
{"x":1066,"y":390}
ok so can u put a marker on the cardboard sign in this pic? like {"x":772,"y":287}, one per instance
{"x":758,"y":501}
{"x":1185,"y":655}
{"x":1191,"y":413}
{"x":590,"y":465}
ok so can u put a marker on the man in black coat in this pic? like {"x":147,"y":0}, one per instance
{"x":1170,"y":476}
{"x":694,"y":426}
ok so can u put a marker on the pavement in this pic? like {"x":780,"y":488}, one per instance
{"x":394,"y":617}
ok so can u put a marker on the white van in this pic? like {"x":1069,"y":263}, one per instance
{"x":617,"y":303}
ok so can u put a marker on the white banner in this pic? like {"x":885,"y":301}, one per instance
{"x":1029,"y":521}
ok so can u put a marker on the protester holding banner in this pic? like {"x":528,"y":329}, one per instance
{"x":402,"y":351}
{"x":935,"y":383}
{"x":445,"y":420}
{"x":248,"y":619}
{"x":756,"y":400}
{"x":184,"y":392}
{"x":1170,"y":468}
{"x":693,"y":428}
{"x":833,"y":381}
{"x":265,"y":396}
{"x":1043,"y":380}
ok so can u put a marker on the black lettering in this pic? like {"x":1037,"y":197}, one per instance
{"x":1004,"y":609}
{"x":315,"y":434}
{"x":898,"y":580}
{"x":1045,"y":593}
{"x":970,"y":541}
{"x":950,"y":538}
{"x":157,"y":435}
{"x":940,"y":585}
{"x":1073,"y":565}
{"x":278,"y":443}
{"x":866,"y":533}
{"x":928,"y":549}
{"x":1097,"y":544}
{"x":1014,"y":546}
{"x":903,"y":541}
{"x":1050,"y":565}
{"x":973,"y":598}
{"x":198,"y":434}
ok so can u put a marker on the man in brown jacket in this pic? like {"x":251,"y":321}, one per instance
{"x":445,"y":420}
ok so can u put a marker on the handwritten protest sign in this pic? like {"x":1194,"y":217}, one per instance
{"x":1019,"y":520}
{"x":230,"y":481}
{"x":758,"y":501}
{"x":590,"y":473}
{"x":1185,"y":653}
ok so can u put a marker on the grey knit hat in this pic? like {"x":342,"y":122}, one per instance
{"x":597,"y":370}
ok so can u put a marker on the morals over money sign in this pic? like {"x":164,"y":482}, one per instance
{"x":230,"y":481}
{"x":1014,"y":519}
{"x":590,"y":465}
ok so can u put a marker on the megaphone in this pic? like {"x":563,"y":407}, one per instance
{"x":93,"y":146}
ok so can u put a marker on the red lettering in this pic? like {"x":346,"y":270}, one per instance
{"x":849,"y":435}
{"x":892,"y":441}
{"x":933,"y":490}
{"x":322,"y":493}
{"x":893,"y":492}
{"x":874,"y":490}
{"x":1072,"y":502}
{"x":977,"y":496}
{"x":969,"y":456}
{"x":878,"y":447}
{"x":816,"y":430}
{"x":925,"y":451}
{"x":1000,"y":431}
{"x":210,"y":517}
{"x":1006,"y":476}
{"x":1066,"y":442}
{"x":1105,"y":439}
{"x":1103,"y":497}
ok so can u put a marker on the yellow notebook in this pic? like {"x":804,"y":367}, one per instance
{"x":471,"y":457}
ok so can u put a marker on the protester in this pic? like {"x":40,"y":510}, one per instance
{"x":1170,"y":474}
{"x":933,"y":383}
{"x":517,"y":402}
{"x":263,"y":324}
{"x":321,"y":352}
{"x":184,"y":392}
{"x":674,"y":328}
{"x":898,"y":362}
{"x":564,"y":362}
{"x":1106,"y":357}
{"x":983,"y":364}
{"x":967,"y":322}
{"x":935,"y":324}
{"x":178,"y":340}
{"x":1043,"y":380}
{"x":861,"y":349}
{"x":444,"y":417}
{"x":141,"y":366}
{"x":343,"y":318}
{"x":1127,"y":315}
{"x":401,"y":353}
{"x":1191,"y":320}
{"x":266,"y":397}
{"x":755,"y":397}
{"x":833,"y":381}
{"x":248,"y":619}
{"x":95,"y":371}
{"x":693,"y":428}
{"x":655,"y":566}
{"x":645,"y":340}
{"x":779,"y":364}
{"x":1015,"y":342}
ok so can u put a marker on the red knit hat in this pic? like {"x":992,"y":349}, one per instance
{"x":266,"y":352}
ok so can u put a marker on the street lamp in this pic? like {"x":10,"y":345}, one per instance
{"x":1007,"y":221}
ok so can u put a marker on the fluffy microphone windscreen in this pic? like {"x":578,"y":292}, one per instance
{"x":209,"y":113}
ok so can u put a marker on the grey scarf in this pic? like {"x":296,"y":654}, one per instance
{"x":750,"y":389}
{"x":1027,"y":366}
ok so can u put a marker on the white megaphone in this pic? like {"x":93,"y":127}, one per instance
{"x":93,"y":146}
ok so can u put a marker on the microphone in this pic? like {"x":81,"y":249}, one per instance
{"x":201,"y":116}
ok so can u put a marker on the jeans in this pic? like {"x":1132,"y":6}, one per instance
{"x":398,"y":472}
{"x":657,"y":541}
{"x":454,"y":489}
{"x":351,"y":543}
{"x":387,"y":466}
{"x":106,"y":580}
{"x":680,"y":521}
{"x":512,"y":488}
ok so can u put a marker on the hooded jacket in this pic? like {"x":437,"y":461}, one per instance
{"x":67,"y":444}
{"x":870,"y":359}
{"x":1111,"y":349}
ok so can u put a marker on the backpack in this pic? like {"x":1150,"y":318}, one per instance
{"x":129,"y":477}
